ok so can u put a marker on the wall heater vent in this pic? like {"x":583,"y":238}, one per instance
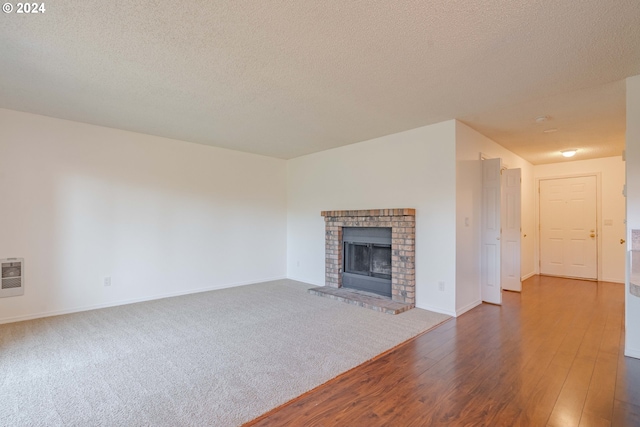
{"x":12,"y":282}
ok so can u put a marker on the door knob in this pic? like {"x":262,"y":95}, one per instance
{"x":622,"y":241}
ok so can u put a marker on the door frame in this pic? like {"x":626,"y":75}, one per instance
{"x":536,"y":249}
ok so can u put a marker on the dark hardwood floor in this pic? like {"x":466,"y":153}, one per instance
{"x":550,"y":356}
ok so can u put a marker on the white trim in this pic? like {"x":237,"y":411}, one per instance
{"x":437,"y":310}
{"x":424,"y":307}
{"x":618,"y":280}
{"x":463,"y":310}
{"x":632,"y":352}
{"x":526,"y":276}
{"x":134,"y":300}
{"x":310,"y":282}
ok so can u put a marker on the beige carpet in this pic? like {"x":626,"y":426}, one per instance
{"x":217,"y":358}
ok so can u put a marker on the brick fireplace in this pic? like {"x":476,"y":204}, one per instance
{"x":402,"y":223}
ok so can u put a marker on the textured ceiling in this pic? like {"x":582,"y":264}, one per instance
{"x":591,"y":120}
{"x":288,"y":78}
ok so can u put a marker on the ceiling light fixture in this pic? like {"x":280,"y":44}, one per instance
{"x":569,"y":153}
{"x":542,"y":119}
{"x":550,"y":130}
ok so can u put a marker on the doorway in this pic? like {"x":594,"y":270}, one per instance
{"x":568,"y":227}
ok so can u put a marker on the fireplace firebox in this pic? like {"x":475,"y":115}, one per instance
{"x":367,"y":259}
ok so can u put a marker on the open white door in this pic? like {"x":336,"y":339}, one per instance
{"x":511,"y":230}
{"x":490,"y":268}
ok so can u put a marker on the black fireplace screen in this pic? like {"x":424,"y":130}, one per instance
{"x":368,"y":259}
{"x":366,"y":264}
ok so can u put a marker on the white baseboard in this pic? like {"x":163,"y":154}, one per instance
{"x":311,"y":282}
{"x":632,"y":352}
{"x":618,"y":280}
{"x":132,"y":301}
{"x":424,"y":307}
{"x":526,"y":276}
{"x":437,"y":310}
{"x":468,"y":307}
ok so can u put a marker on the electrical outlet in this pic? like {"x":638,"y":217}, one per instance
{"x":106,"y":281}
{"x":441,"y":286}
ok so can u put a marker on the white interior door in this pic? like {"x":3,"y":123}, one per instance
{"x":511,"y":230}
{"x":490,"y":252}
{"x":568,"y":236}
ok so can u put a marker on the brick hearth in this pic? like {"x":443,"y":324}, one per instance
{"x":403,"y":232}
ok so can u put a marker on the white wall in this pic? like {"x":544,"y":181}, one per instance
{"x":611,"y":207}
{"x":469,"y":145}
{"x":81,"y":202}
{"x":162,"y":217}
{"x":632,"y":320}
{"x":413,"y":169}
